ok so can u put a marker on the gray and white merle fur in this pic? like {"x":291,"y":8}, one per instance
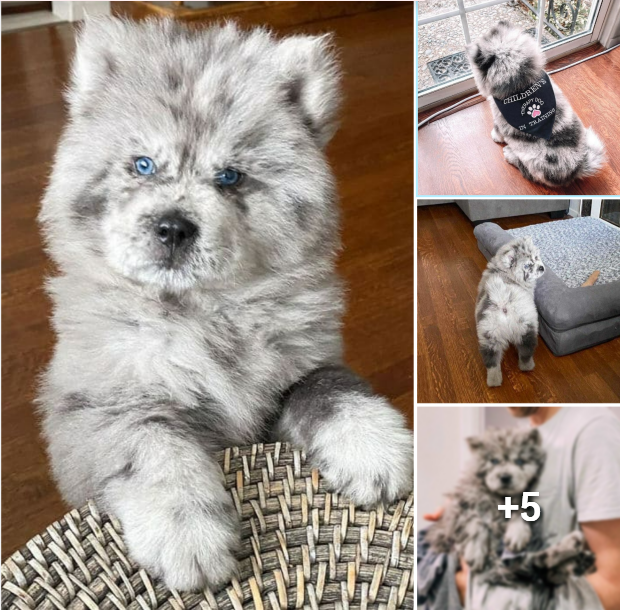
{"x":168,"y":351}
{"x":505,"y":309}
{"x":507,"y":60}
{"x":505,"y":464}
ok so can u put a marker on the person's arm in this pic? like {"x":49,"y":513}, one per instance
{"x":462,"y":575}
{"x":604,"y":540}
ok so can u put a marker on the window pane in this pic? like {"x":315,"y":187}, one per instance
{"x":610,"y":211}
{"x":566,"y":17}
{"x":441,"y":47}
{"x":518,"y":14}
{"x":435,"y":7}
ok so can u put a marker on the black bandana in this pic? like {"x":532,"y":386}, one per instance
{"x":533,"y":110}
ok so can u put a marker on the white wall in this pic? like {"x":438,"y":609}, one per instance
{"x":76,"y":11}
{"x":610,"y":34}
{"x":499,"y":417}
{"x":442,"y":451}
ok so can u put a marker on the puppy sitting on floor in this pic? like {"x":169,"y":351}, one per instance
{"x":505,"y":464}
{"x":544,"y":137}
{"x":193,"y":219}
{"x":505,"y":308}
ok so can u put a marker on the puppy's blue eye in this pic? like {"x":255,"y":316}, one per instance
{"x":494,"y":461}
{"x":519,"y":462}
{"x":228,"y":177}
{"x":144,"y":166}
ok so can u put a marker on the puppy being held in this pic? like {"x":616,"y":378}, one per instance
{"x":192,"y":216}
{"x":505,"y":464}
{"x":505,"y":308}
{"x":544,"y":137}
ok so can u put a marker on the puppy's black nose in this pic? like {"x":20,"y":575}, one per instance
{"x":541,"y":268}
{"x":505,"y":479}
{"x":175,"y":230}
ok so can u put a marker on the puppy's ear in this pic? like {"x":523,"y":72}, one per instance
{"x":528,"y":242}
{"x":533,"y":436}
{"x":475,"y":443}
{"x":509,"y":259}
{"x":483,"y":60}
{"x":311,"y":76}
{"x":96,"y":59}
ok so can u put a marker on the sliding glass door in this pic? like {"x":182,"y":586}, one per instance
{"x":607,"y":210}
{"x":445,"y":27}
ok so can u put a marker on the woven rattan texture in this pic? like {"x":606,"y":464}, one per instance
{"x":303,"y":547}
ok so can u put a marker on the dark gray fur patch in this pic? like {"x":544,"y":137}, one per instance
{"x":186,"y":156}
{"x":300,"y":207}
{"x":75,"y":402}
{"x":569,"y":136}
{"x":91,"y":203}
{"x":173,"y":78}
{"x":524,"y":171}
{"x":551,"y":158}
{"x":111,"y":65}
{"x":157,"y":419}
{"x":558,"y":178}
{"x":527,"y":344}
{"x":486,"y":304}
{"x":123,"y":473}
{"x":490,"y":356}
{"x":312,"y":400}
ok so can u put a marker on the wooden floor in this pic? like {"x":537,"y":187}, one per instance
{"x":458,"y":157}
{"x":372,"y":157}
{"x":449,"y":366}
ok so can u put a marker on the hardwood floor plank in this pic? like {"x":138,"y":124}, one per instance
{"x":450,"y":368}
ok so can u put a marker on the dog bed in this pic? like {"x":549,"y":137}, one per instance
{"x":571,"y":317}
{"x":302,"y":547}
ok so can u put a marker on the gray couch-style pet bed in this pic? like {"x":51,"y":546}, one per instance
{"x":571,"y":317}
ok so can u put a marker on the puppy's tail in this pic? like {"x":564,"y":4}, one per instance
{"x":595,"y":154}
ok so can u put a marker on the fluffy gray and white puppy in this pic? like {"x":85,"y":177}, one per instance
{"x":505,"y":308}
{"x":505,"y":464}
{"x":507,"y":60}
{"x":192,"y":216}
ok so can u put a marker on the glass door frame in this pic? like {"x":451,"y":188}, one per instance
{"x":596,"y":211}
{"x":465,"y":84}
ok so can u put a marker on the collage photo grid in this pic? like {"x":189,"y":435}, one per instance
{"x":310,"y":305}
{"x":517,"y":276}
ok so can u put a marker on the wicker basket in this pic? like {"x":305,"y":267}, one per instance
{"x":302,"y":548}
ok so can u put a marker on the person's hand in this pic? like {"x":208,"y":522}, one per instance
{"x":461,"y":581}
{"x":434,"y":516}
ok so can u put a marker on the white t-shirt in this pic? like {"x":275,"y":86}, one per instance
{"x":581,"y":479}
{"x":580,"y":483}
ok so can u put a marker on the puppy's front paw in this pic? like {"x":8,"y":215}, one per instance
{"x":475,"y":555}
{"x":494,"y":377}
{"x":497,"y":136}
{"x":510,"y":156}
{"x":188,"y":547}
{"x":365,"y":452}
{"x":527,"y":365}
{"x":518,"y":534}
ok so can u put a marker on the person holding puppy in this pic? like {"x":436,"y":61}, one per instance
{"x":578,"y":490}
